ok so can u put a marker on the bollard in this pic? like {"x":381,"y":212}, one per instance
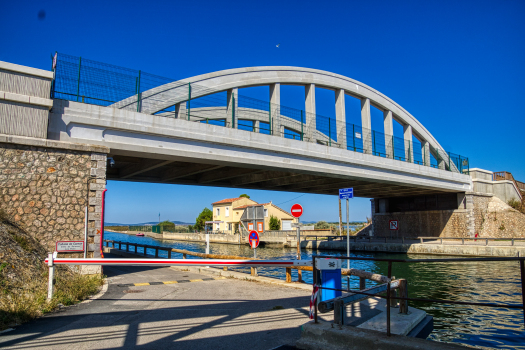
{"x":403,"y":293}
{"x":288,"y":275}
{"x":393,"y":301}
{"x":421,"y":240}
{"x":51,"y":276}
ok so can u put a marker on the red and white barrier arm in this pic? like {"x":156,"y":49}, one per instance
{"x":180,"y":262}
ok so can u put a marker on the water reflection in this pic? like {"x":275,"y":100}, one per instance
{"x":482,"y":327}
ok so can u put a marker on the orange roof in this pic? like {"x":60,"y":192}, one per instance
{"x":228,"y":200}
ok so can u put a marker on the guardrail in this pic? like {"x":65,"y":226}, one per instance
{"x":403,"y":240}
{"x":463,"y":239}
{"x":363,"y":275}
{"x":389,"y":296}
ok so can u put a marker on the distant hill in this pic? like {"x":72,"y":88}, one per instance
{"x":180,"y":223}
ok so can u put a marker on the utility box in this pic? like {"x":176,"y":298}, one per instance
{"x":330,"y":276}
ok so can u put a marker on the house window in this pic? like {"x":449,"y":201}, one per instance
{"x":218,"y":211}
{"x":227,"y":212}
{"x":265,"y":213}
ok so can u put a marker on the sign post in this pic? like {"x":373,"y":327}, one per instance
{"x":347,"y":193}
{"x":254,"y":243}
{"x":297,"y":211}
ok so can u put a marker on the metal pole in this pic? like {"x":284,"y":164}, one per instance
{"x":233,"y":111}
{"x":299,"y":272}
{"x":388,"y":300}
{"x":51,"y":276}
{"x":314,"y":271}
{"x":138,"y":93}
{"x":353,"y":135}
{"x":78,"y":80}
{"x":86,"y":233}
{"x":522,"y":270}
{"x":348,"y":238}
{"x":393,"y":148}
{"x":207,"y":243}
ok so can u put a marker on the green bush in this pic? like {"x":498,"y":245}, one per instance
{"x":275,"y":223}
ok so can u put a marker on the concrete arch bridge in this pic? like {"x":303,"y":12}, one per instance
{"x":164,"y":134}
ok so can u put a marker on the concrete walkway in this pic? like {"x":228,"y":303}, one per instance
{"x":155,"y":308}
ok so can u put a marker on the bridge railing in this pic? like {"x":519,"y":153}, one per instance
{"x":83,"y":80}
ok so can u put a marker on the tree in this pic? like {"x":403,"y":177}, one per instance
{"x":275,"y":223}
{"x":205,"y":215}
{"x":167,"y":226}
{"x":190,"y":228}
{"x":244,"y":195}
{"x":321,"y":225}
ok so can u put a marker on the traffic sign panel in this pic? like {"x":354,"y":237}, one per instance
{"x":346,"y":193}
{"x":254,"y":239}
{"x":394,"y":225}
{"x":297,"y":210}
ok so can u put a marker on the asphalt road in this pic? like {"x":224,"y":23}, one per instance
{"x":198,"y":312}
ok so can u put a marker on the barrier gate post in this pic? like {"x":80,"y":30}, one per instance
{"x":51,"y":276}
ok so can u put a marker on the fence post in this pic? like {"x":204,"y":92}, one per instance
{"x":441,"y":241}
{"x":329,"y":134}
{"x":486,"y":241}
{"x":513,"y":241}
{"x":138,"y":93}
{"x":145,"y":249}
{"x":135,"y":248}
{"x":169,"y":254}
{"x":270,"y":117}
{"x":403,"y":293}
{"x":393,"y":301}
{"x":78,"y":80}
{"x":51,"y":276}
{"x":302,"y":133}
{"x":127,"y":247}
{"x":362,"y":283}
{"x":288,"y":274}
{"x":189,"y":100}
{"x":156,"y":252}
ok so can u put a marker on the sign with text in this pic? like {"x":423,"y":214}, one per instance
{"x":346,"y":193}
{"x":297,"y":210}
{"x":394,"y":225}
{"x":69,"y":246}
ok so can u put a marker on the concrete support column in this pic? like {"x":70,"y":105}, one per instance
{"x":231,"y":110}
{"x":256,"y":126}
{"x":275,"y":109}
{"x":309,"y":107}
{"x":389,"y":133}
{"x":180,"y":111}
{"x":425,"y":151}
{"x":407,"y":134}
{"x":366,"y":124}
{"x":340,"y":116}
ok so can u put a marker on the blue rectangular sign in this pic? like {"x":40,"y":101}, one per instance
{"x":346,"y":193}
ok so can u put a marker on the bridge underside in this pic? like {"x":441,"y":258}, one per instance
{"x":129,"y":168}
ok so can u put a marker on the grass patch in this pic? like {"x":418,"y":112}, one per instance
{"x":20,"y":304}
{"x":22,"y":242}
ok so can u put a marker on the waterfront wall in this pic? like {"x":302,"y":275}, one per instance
{"x":432,"y":249}
{"x":44,"y":186}
{"x":477,"y":213}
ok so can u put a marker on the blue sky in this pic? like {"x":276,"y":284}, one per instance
{"x":457,"y":66}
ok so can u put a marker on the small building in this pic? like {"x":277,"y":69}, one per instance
{"x":248,"y":214}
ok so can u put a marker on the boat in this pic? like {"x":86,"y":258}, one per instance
{"x":140,"y":234}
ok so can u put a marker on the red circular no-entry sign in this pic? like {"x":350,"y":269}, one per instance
{"x":254,"y":239}
{"x":297,"y":210}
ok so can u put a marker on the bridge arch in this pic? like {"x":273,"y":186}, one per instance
{"x":175,"y":93}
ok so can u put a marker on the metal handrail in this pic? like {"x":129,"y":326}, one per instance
{"x":389,"y":297}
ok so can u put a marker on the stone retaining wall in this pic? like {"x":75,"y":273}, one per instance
{"x":44,"y":189}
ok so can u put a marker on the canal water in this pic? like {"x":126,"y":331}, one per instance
{"x":480,"y":327}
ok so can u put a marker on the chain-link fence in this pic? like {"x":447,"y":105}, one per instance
{"x":93,"y":82}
